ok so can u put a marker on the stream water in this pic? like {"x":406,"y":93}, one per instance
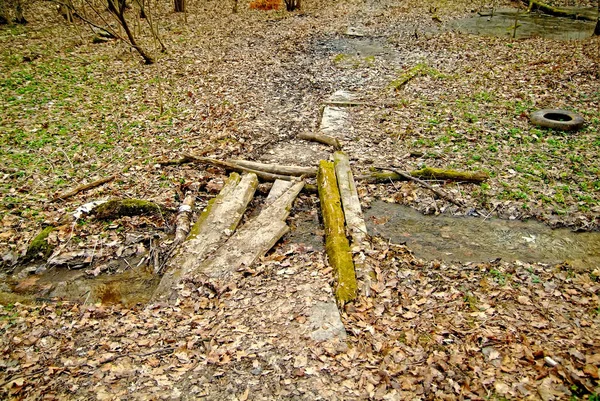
{"x":471,"y":239}
{"x":502,"y":23}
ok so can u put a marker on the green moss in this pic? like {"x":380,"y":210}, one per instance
{"x":336,"y":243}
{"x":39,"y":246}
{"x":232,"y":181}
{"x":116,"y":208}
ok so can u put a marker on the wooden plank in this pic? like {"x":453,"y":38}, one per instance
{"x":213,"y":227}
{"x":350,"y":201}
{"x":252,"y":240}
{"x":355,"y":221}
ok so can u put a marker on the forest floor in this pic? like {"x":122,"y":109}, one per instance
{"x":241,"y":85}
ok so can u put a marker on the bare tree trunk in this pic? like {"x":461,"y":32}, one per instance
{"x":291,"y":5}
{"x":66,"y":10}
{"x":179,"y":6}
{"x":597,"y":29}
{"x":19,"y":17}
{"x":3,"y":13}
{"x":118,"y":9}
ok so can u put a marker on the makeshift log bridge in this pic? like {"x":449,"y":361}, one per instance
{"x":214,"y":249}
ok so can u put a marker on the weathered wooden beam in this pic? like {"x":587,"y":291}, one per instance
{"x":213,"y":227}
{"x":355,"y":221}
{"x":250,"y":241}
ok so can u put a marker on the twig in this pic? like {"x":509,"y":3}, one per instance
{"x":423,"y":183}
{"x":82,"y":188}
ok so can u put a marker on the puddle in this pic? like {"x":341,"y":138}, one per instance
{"x":471,"y":239}
{"x":127,"y":286}
{"x":529,"y":25}
{"x":358,"y":46}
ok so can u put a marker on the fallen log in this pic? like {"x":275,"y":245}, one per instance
{"x":321,"y":138}
{"x":276,"y":168}
{"x":250,"y":242}
{"x":355,"y":221}
{"x":216,"y":223}
{"x":428,"y":173}
{"x":115,"y":208}
{"x":439,"y":193}
{"x":336,"y":243}
{"x":533,"y":5}
{"x":82,"y":188}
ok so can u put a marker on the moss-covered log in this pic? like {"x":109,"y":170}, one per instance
{"x":39,"y":246}
{"x":429,"y":173}
{"x":534,"y":5}
{"x":336,"y":243}
{"x":115,"y":208}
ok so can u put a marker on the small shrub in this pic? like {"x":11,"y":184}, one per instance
{"x":265,"y":5}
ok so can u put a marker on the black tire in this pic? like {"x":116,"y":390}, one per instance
{"x":561,"y":120}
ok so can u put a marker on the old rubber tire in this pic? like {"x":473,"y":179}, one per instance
{"x":561,"y":120}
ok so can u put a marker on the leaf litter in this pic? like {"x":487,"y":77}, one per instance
{"x":432,"y":330}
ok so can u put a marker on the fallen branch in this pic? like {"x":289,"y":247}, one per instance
{"x":428,"y":173}
{"x":336,"y":243}
{"x":426,"y":185}
{"x":276,"y":168}
{"x":182,"y":229}
{"x":82,"y":188}
{"x":265,"y":176}
{"x":321,"y":138}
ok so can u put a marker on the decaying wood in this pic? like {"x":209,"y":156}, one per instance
{"x":336,"y":243}
{"x":84,"y":187}
{"x":428,"y":173}
{"x":184,"y":218}
{"x":276,"y":168}
{"x":277,"y":189}
{"x":533,"y":5}
{"x":355,"y":221}
{"x":265,"y":176}
{"x":183,"y":223}
{"x":344,"y":103}
{"x":321,"y":138}
{"x":216,"y":223}
{"x":349,"y":197}
{"x":436,"y":191}
{"x":250,"y":241}
{"x":116,"y":208}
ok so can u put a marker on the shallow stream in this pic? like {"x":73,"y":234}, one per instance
{"x":502,"y":23}
{"x":472,"y":239}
